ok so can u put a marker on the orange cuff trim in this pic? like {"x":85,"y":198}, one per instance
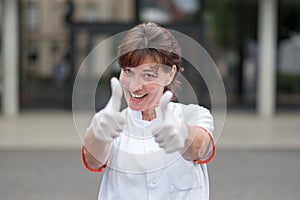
{"x":214,"y":148}
{"x":87,"y":165}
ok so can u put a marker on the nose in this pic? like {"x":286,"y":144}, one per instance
{"x":135,"y":84}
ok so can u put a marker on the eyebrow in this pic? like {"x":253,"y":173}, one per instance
{"x":152,"y":68}
{"x":149,"y":70}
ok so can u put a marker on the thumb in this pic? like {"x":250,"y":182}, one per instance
{"x":116,"y":94}
{"x":165,"y":99}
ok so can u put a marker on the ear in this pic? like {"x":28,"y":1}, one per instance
{"x":171,"y":74}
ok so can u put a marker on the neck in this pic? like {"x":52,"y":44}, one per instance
{"x":149,"y":115}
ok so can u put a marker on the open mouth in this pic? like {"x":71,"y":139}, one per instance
{"x":137,"y":96}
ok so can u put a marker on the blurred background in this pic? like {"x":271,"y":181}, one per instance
{"x":254,"y":43}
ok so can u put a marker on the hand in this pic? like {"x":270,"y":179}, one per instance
{"x":109,"y":121}
{"x":170,"y":132}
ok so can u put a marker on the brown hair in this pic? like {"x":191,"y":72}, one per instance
{"x":150,"y":40}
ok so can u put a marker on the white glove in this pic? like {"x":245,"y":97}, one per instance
{"x":108,"y":122}
{"x":170,"y":132}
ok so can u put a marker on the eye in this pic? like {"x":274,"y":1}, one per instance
{"x":127,"y":71}
{"x":149,"y":75}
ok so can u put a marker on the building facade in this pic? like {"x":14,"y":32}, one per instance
{"x":231,"y":37}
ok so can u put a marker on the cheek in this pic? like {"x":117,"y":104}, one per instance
{"x":153,"y":88}
{"x":123,"y":81}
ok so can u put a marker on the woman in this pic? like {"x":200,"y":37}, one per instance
{"x":154,"y":148}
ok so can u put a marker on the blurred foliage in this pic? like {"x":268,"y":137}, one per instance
{"x":229,"y":18}
{"x":223,"y":22}
{"x":288,"y":83}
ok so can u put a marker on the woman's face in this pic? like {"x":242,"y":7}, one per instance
{"x":143,"y":85}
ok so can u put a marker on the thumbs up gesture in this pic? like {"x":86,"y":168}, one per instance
{"x":170,"y":132}
{"x":109,"y":121}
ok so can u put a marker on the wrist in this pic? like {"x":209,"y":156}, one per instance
{"x":98,"y":150}
{"x":197,"y":145}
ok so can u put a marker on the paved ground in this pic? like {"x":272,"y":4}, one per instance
{"x":56,"y":129}
{"x":234,"y":175}
{"x":257,"y":158}
{"x":255,"y":174}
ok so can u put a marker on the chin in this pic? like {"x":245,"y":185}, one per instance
{"x":137,"y":108}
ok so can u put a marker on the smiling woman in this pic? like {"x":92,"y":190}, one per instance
{"x":144,"y":84}
{"x":150,"y":43}
{"x":154,"y":148}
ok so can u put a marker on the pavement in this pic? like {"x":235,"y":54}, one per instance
{"x":56,"y":129}
{"x":257,"y":158}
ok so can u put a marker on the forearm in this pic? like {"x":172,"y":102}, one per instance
{"x":96,"y":152}
{"x":196,"y":144}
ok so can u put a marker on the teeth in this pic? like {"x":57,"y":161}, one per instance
{"x":136,"y":95}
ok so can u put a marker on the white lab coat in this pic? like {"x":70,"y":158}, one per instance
{"x":139,"y":169}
